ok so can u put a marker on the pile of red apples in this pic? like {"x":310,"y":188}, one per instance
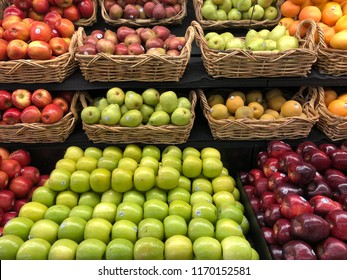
{"x":18,"y":180}
{"x":38,"y":106}
{"x":130,"y":41}
{"x":299,"y":197}
{"x":142,"y":9}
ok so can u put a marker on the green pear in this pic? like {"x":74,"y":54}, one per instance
{"x":277,"y":32}
{"x":245,"y":15}
{"x":221,"y":15}
{"x":209,"y":11}
{"x":257,"y":44}
{"x":146,"y":112}
{"x":158,"y":107}
{"x":287,"y":42}
{"x":209,"y":35}
{"x":236,"y":43}
{"x":102,"y":103}
{"x":264,"y":33}
{"x":181,"y":116}
{"x":150,"y":96}
{"x":270,"y":45}
{"x":270,"y":13}
{"x":264,"y":3}
{"x":226,"y":5}
{"x":132,"y":118}
{"x":90,"y":115}
{"x":227,"y":36}
{"x":234,"y":14}
{"x":115,"y":95}
{"x":242,"y":5}
{"x":169,"y":101}
{"x":159,"y":118}
{"x":256,"y":12}
{"x":124,"y":109}
{"x":216,"y":42}
{"x":250,"y":36}
{"x":133,"y":100}
{"x":110,"y":115}
{"x":184,"y":102}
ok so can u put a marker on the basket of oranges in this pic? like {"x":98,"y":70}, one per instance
{"x":259,"y":114}
{"x":332,"y":110}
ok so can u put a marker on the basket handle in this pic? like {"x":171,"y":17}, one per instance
{"x":199,"y":35}
{"x":310,"y":33}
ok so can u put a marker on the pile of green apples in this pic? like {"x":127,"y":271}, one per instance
{"x":221,"y":10}
{"x":276,"y":39}
{"x":132,"y":109}
{"x":132,"y":203}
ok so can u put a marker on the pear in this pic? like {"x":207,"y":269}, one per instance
{"x":221,"y":15}
{"x":184,"y":102}
{"x":256,"y":12}
{"x":227,"y":36}
{"x":110,"y":115}
{"x":257,"y":44}
{"x":102,"y":103}
{"x":234,"y":14}
{"x":242,"y":5}
{"x":123,"y":109}
{"x":226,"y":5}
{"x":132,"y":118}
{"x":270,"y":45}
{"x":169,"y":101}
{"x":264,"y":3}
{"x":236,"y":43}
{"x":159,"y":118}
{"x":287,"y":42}
{"x":277,"y":32}
{"x":150,"y":96}
{"x":264,"y":33}
{"x":209,"y":11}
{"x":181,"y":116}
{"x":146,"y":112}
{"x":250,"y":36}
{"x":133,"y":100}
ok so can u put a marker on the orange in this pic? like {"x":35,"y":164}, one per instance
{"x":339,"y":40}
{"x":342,"y":97}
{"x":276,"y":102}
{"x":289,"y":9}
{"x":319,"y":3}
{"x":294,"y":26}
{"x":234,"y":102}
{"x":311,"y":12}
{"x":286,"y":21}
{"x":338,"y":107}
{"x":298,"y":2}
{"x":344,"y":7}
{"x":307,"y":3}
{"x":328,"y":32}
{"x":291,"y":108}
{"x":331,"y":13}
{"x":329,"y":96}
{"x":341,"y":24}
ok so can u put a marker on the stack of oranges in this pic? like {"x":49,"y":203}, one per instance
{"x":331,"y":16}
{"x":336,"y":103}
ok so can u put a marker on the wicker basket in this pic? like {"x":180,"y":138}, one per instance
{"x":175,"y":20}
{"x":249,"y":129}
{"x":145,"y":67}
{"x":243,"y":23}
{"x":40,"y":71}
{"x":89,"y":21}
{"x":333,"y":126}
{"x":43,"y":133}
{"x":249,"y":64}
{"x":167,"y":134}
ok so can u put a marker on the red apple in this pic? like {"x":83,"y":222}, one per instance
{"x":40,"y":6}
{"x":7,"y":199}
{"x":318,"y":187}
{"x":22,"y":156}
{"x":17,"y":49}
{"x":72,"y":13}
{"x":21,"y":98}
{"x":301,"y":173}
{"x":63,"y":3}
{"x":11,"y":116}
{"x":266,"y":199}
{"x":255,"y":204}
{"x":13,"y":10}
{"x":334,"y":178}
{"x":343,"y":200}
{"x":286,"y":188}
{"x":272,"y":214}
{"x":4,"y":153}
{"x":3,"y":49}
{"x":322,"y":205}
{"x":3,"y":180}
{"x":250,"y":190}
{"x":261,"y":185}
{"x":58,"y":46}
{"x":327,"y":147}
{"x":87,"y":49}
{"x":51,"y":113}
{"x":19,"y":203}
{"x":293,"y":205}
{"x":270,"y":166}
{"x":287,"y":158}
{"x":43,"y":179}
{"x":19,"y":30}
{"x":41,"y":97}
{"x":5,"y":100}
{"x":260,"y":218}
{"x":22,"y":4}
{"x":66,"y":94}
{"x":298,"y":250}
{"x":282,"y":230}
{"x":62,"y":103}
{"x":9,"y":20}
{"x":30,"y":114}
{"x":332,"y":249}
{"x":339,"y":159}
{"x":35,"y":15}
{"x":65,"y":27}
{"x":136,"y":49}
{"x":269,"y":235}
{"x":338,"y":223}
{"x":319,"y":159}
{"x":276,"y":252}
{"x":275,"y":180}
{"x":91,"y":39}
{"x":39,"y":50}
{"x":86,"y":8}
{"x":305,"y":146}
{"x":31,"y":172}
{"x":40,"y":31}
{"x":254,"y":174}
{"x":51,"y":18}
{"x":6,"y":217}
{"x":20,"y":186}
{"x":262,"y":156}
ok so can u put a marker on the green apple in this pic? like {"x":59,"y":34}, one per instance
{"x":119,"y":249}
{"x":112,"y":196}
{"x":128,"y":163}
{"x":34,"y":249}
{"x":133,"y":151}
{"x":33,"y":210}
{"x":225,"y":172}
{"x":151,"y":96}
{"x":144,"y":178}
{"x":236,"y":248}
{"x":223,"y":183}
{"x":90,"y":198}
{"x":223,"y":197}
{"x":91,"y":249}
{"x":202,"y":184}
{"x":178,"y":194}
{"x":181,"y":208}
{"x":152,"y":151}
{"x":230,"y":211}
{"x":151,"y":227}
{"x":226,"y":227}
{"x":63,"y":249}
{"x":45,"y":229}
{"x":156,"y":193}
{"x":59,"y":179}
{"x":86,"y":163}
{"x":199,"y":227}
{"x":133,"y":100}
{"x":236,"y":193}
{"x":178,"y":241}
{"x":190,"y":151}
{"x":155,"y":208}
{"x":184,"y":102}
{"x":122,"y":180}
{"x":113,"y":152}
{"x":240,"y":206}
{"x":98,"y":228}
{"x":80,"y":181}
{"x":209,"y":11}
{"x":93,"y":152}
{"x":72,"y":228}
{"x":110,"y":115}
{"x":9,"y":246}
{"x":124,"y":229}
{"x":172,"y":150}
{"x":151,"y":162}
{"x":130,"y":211}
{"x":134,"y":196}
{"x":200,"y":196}
{"x":66,"y":163}
{"x":173,"y":161}
{"x":44,"y":195}
{"x":83,"y":211}
{"x":149,"y":248}
{"x":210,"y":152}
{"x":234,"y":14}
{"x":245,"y":225}
{"x":255,"y":255}
{"x":74,"y":153}
{"x":67,"y":198}
{"x":207,"y":248}
{"x":108,"y":163}
{"x":174,"y":225}
{"x":90,"y":115}
{"x":115,"y":95}
{"x":211,"y":167}
{"x":205,"y":210}
{"x":100,"y":180}
{"x":57,"y":213}
{"x":191,"y":166}
{"x":105,"y":210}
{"x":167,"y":178}
{"x":19,"y":226}
{"x":184,"y":183}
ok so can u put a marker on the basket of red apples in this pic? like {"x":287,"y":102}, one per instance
{"x":142,"y":12}
{"x":299,"y":196}
{"x":18,"y":180}
{"x":37,"y":116}
{"x":33,"y":51}
{"x":148,"y":54}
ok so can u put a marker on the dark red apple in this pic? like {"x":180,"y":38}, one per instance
{"x":339,"y":159}
{"x":43,"y":179}
{"x":319,"y":159}
{"x":343,"y":145}
{"x":250,"y":190}
{"x":322,"y":205}
{"x":11,"y":167}
{"x":260,"y":218}
{"x":285,"y":189}
{"x":7,"y":216}
{"x":318,"y":187}
{"x":262,"y":156}
{"x":20,"y":186}
{"x":261,"y":185}
{"x":31,"y":172}
{"x":269,"y":235}
{"x":12,"y":116}
{"x":272,"y":214}
{"x":298,"y":250}
{"x":51,"y":113}
{"x":282,"y":230}
{"x":255,"y":203}
{"x":301,"y":173}
{"x":19,"y":203}
{"x":334,"y":178}
{"x":5,"y":100}
{"x":267,"y":198}
{"x":3,"y":179}
{"x":338,"y":223}
{"x":277,"y":147}
{"x":327,"y":147}
{"x":343,"y":200}
{"x":276,"y":252}
{"x":22,"y":156}
{"x":287,"y":158}
{"x":254,"y":174}
{"x":7,"y":199}
{"x":270,"y":166}
{"x":243,"y":177}
{"x":275,"y":180}
{"x":293,"y":205}
{"x":305,"y":147}
{"x":332,"y":249}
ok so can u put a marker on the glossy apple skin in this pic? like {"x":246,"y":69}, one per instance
{"x":287,"y":158}
{"x":276,"y":147}
{"x":275,"y":180}
{"x":298,"y":250}
{"x":51,"y":113}
{"x":338,"y":223}
{"x":334,"y":178}
{"x":270,"y":166}
{"x":254,"y":174}
{"x":40,"y":50}
{"x":266,"y":199}
{"x":319,"y":159}
{"x":282,"y":230}
{"x":285,"y":189}
{"x":7,"y":199}
{"x":318,"y":187}
{"x":269,"y":235}
{"x":41,"y":97}
{"x":262,"y":156}
{"x":305,"y":146}
{"x":22,"y":156}
{"x":272,"y":214}
{"x":301,"y":173}
{"x":11,"y":167}
{"x":276,"y":252}
{"x":20,"y":186}
{"x":293,"y":205}
{"x":30,"y":114}
{"x":327,"y":147}
{"x":339,"y":159}
{"x":332,"y":249}
{"x":5,"y":100}
{"x":62,"y":103}
{"x":322,"y":205}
